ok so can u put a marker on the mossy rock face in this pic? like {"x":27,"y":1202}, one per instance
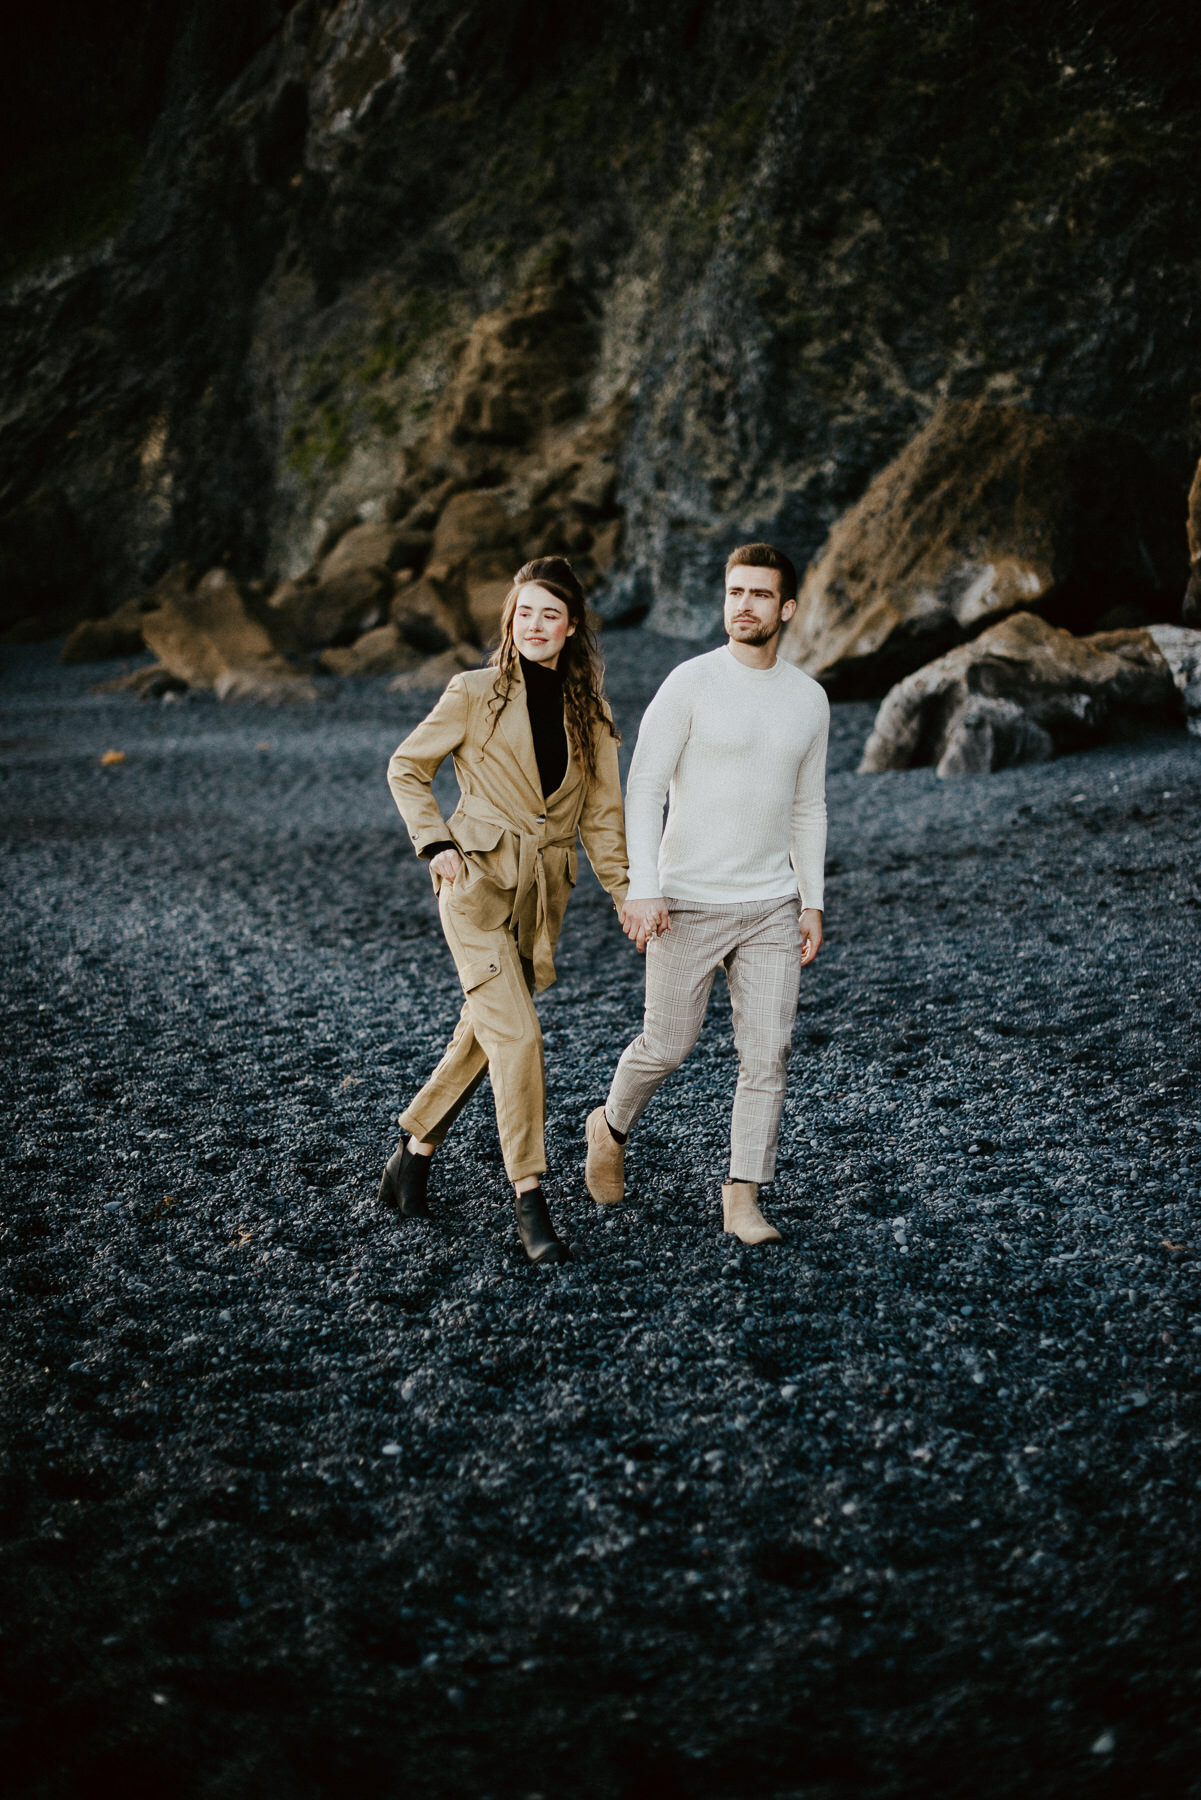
{"x":354,"y":383}
{"x":795,"y":232}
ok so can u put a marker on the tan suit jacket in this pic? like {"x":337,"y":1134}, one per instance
{"x":519,"y":849}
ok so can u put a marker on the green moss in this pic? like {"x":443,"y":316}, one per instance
{"x":339,"y":398}
{"x":321,"y":443}
{"x":399,"y":333}
{"x":382,"y":415}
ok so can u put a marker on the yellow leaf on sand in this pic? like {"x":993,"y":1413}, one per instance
{"x":113,"y":756}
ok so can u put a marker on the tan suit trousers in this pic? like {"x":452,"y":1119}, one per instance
{"x":497,"y":1035}
{"x":758,"y":944}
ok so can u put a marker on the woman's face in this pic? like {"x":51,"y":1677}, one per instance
{"x":541,"y":625}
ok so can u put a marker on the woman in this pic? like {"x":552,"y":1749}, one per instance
{"x":535,"y":754}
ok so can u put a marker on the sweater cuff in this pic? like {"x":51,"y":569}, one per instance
{"x":428,"y":851}
{"x":644,"y":884}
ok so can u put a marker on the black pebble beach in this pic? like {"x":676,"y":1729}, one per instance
{"x":301,"y":1502}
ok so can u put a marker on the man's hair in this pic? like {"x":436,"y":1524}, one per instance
{"x":765,"y":556}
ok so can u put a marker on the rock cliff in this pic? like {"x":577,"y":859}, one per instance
{"x":767,"y":241}
{"x":989,"y":510}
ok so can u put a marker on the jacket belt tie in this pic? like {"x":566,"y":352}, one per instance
{"x":530,"y":912}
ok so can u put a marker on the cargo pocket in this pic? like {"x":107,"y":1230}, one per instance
{"x":489,"y":851}
{"x":477,"y":899}
{"x":474,"y":974}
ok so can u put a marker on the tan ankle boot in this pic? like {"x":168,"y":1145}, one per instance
{"x":741,"y":1215}
{"x":605,"y":1168}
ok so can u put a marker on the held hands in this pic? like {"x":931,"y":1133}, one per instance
{"x":811,"y":934}
{"x":645,"y":919}
{"x":447,"y":863}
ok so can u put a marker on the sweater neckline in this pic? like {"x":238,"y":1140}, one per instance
{"x":536,"y":673}
{"x":745,"y":668}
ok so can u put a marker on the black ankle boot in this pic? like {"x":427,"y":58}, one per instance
{"x":404,"y":1182}
{"x":538,"y":1238}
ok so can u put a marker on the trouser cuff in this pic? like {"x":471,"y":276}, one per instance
{"x":425,"y":1134}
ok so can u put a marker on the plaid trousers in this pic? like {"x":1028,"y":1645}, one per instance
{"x":758,"y":944}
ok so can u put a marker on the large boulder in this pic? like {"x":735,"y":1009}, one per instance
{"x":97,"y":640}
{"x":1180,"y":647}
{"x":379,"y":545}
{"x":471,"y":523}
{"x":379,"y":652}
{"x":423,"y":617}
{"x":435,"y":671}
{"x":471,"y":561}
{"x":418,"y":506}
{"x":265,"y":684}
{"x":1190,"y":611}
{"x":988,"y":510}
{"x":210,"y":639}
{"x":151,"y":682}
{"x":335,"y":609}
{"x":487,"y":589}
{"x":1024,"y":690}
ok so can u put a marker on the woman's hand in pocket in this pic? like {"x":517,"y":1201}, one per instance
{"x":447,"y":863}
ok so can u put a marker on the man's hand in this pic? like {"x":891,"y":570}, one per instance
{"x":811,"y":934}
{"x":644,"y":919}
{"x":447,"y":863}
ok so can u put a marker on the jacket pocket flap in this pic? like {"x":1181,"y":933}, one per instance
{"x":475,"y":835}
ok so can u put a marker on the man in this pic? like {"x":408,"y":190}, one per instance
{"x":736,"y":742}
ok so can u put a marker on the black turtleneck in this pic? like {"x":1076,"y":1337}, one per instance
{"x":544,"y":703}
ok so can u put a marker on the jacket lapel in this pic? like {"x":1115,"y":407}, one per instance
{"x":571,"y":780}
{"x":513,"y":728}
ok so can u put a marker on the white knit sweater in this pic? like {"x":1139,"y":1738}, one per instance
{"x":740,"y":755}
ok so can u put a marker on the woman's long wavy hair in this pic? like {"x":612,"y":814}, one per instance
{"x":580,"y":665}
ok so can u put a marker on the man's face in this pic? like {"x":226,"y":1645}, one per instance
{"x":754,"y":611}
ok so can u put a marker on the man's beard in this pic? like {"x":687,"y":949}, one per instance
{"x":763,"y":635}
